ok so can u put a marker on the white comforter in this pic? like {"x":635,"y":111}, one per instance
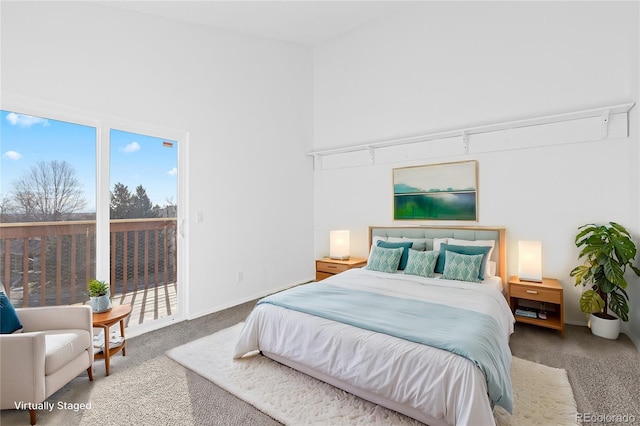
{"x":432,"y":385}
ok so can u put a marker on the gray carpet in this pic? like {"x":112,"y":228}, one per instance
{"x":605,"y":376}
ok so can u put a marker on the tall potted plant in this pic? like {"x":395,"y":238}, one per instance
{"x":99,"y":294}
{"x":607,"y":250}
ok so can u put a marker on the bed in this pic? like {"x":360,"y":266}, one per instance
{"x":432,"y":348}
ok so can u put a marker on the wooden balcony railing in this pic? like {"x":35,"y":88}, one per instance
{"x":50,"y":263}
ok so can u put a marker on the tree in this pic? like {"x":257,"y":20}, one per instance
{"x":142,"y":205}
{"x":49,"y":191}
{"x":125,"y":205}
{"x":121,"y":202}
{"x":6,"y":207}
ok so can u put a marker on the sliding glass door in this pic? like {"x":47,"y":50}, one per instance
{"x":82,"y":199}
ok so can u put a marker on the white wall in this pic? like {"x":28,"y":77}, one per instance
{"x":442,"y":66}
{"x":245,"y":102}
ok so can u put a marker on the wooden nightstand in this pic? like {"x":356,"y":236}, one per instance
{"x":326,"y":267}
{"x":545,"y":296}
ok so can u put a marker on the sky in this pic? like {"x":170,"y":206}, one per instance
{"x":135,"y":159}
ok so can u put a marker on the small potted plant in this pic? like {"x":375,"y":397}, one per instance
{"x":608,"y":250}
{"x":99,"y":294}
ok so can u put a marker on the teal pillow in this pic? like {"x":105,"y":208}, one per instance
{"x":469,"y":250}
{"x":405,"y":250}
{"x":462,"y":267}
{"x":9,"y":321}
{"x":384,"y":259}
{"x":421,"y":263}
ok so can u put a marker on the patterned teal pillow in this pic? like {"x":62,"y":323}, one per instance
{"x":462,"y":250}
{"x":405,"y":253}
{"x":384,"y":259}
{"x":421,"y":263}
{"x":462,"y":267}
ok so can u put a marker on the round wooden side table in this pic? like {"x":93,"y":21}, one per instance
{"x":104,"y":320}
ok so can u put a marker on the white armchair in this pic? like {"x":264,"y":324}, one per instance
{"x":56,"y":344}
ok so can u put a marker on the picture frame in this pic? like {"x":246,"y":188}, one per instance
{"x":444,"y":191}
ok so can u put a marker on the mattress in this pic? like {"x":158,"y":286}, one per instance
{"x":432,"y":385}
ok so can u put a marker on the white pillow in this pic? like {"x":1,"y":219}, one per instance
{"x":491,"y":270}
{"x":375,"y":239}
{"x":481,"y":243}
{"x":438,"y":241}
{"x":374,"y":243}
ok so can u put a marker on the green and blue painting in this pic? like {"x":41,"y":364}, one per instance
{"x":436,"y":192}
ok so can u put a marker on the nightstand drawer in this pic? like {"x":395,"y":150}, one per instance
{"x":535,"y":293}
{"x":332,"y":268}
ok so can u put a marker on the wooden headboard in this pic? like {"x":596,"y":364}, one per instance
{"x":459,"y":232}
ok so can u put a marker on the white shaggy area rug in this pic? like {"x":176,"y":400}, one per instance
{"x":542,"y":394}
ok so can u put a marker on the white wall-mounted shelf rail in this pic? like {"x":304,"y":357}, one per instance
{"x":465,"y":132}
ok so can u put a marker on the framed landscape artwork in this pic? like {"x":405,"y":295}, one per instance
{"x":447,"y":191}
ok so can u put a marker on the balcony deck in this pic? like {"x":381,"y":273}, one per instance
{"x":150,"y":304}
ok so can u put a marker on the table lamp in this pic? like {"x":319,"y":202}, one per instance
{"x":530,"y":261}
{"x":339,"y":244}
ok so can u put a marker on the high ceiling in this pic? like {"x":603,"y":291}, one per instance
{"x":308,"y":23}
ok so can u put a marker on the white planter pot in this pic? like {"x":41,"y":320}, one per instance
{"x":602,"y":327}
{"x":101,"y":303}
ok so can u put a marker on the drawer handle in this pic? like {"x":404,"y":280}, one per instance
{"x":332,"y":267}
{"x":532,"y":292}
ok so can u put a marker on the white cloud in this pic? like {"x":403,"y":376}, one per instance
{"x":12,"y":155}
{"x":173,"y":171}
{"x":132,"y":147}
{"x":22,"y":120}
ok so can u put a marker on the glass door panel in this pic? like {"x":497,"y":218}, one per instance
{"x":143,"y":229}
{"x":47,"y":209}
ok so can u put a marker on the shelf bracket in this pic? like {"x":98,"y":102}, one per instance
{"x":605,"y":123}
{"x":372,"y":154}
{"x":465,"y":141}
{"x":317,"y":162}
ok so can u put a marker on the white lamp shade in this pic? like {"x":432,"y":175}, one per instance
{"x":530,"y":261}
{"x":339,"y":245}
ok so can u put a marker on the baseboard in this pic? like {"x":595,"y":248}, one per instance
{"x":138,"y":329}
{"x":580,"y":323}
